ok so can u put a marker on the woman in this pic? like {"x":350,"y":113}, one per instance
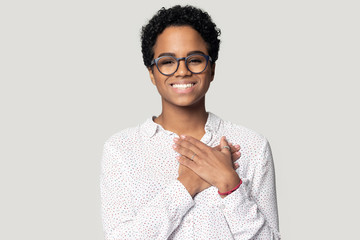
{"x":173,"y":177}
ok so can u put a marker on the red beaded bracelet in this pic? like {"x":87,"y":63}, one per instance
{"x":232,"y":190}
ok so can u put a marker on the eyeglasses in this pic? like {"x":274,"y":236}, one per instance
{"x":168,"y":65}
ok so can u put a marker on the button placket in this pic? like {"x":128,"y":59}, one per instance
{"x":222,"y":206}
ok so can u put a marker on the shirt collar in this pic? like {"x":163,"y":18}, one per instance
{"x":212,"y":123}
{"x":150,"y":128}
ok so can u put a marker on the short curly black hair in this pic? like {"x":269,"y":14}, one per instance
{"x":179,"y":16}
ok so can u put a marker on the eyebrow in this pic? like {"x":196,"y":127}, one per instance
{"x":173,"y":55}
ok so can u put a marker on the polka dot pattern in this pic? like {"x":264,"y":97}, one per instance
{"x":142,"y":198}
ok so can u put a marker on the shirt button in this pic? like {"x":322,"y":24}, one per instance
{"x":188,"y":221}
{"x":222,"y":206}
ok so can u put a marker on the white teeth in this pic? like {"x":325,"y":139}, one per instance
{"x":183,"y":86}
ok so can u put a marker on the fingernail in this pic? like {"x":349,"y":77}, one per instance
{"x":176,"y":139}
{"x":174,"y":146}
{"x":183,"y":136}
{"x":237,"y":146}
{"x":178,"y":157}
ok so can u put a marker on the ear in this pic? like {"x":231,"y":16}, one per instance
{"x":151,"y":74}
{"x":212,"y":72}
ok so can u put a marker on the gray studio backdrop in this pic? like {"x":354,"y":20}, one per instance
{"x":72,"y":75}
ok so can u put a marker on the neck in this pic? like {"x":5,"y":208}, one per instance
{"x":188,"y":120}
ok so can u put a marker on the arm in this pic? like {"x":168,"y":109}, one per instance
{"x":251,"y":211}
{"x":193,"y":182}
{"x":123,"y":220}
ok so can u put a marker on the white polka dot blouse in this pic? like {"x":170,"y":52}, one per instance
{"x":142,"y":198}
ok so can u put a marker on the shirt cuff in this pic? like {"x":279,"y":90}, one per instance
{"x":236,"y":198}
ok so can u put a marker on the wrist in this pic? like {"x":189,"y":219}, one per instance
{"x":229,"y":183}
{"x":190,"y":187}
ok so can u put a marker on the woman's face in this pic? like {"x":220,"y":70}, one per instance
{"x":181,"y":41}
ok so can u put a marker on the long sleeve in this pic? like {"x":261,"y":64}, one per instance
{"x":251,"y":211}
{"x":156,"y":219}
{"x":141,"y":198}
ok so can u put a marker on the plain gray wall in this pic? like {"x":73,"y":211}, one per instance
{"x":72,"y":75}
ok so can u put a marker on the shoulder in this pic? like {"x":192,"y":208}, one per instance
{"x":121,"y":146}
{"x":254,"y":147}
{"x":242,"y":131}
{"x":249,"y":140}
{"x":116,"y":145}
{"x":126,"y":138}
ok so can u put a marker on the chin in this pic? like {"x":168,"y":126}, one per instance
{"x":184,"y":101}
{"x":187,"y":103}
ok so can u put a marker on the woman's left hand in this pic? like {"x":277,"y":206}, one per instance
{"x":214,"y":166}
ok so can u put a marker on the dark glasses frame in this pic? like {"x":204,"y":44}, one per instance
{"x":155,"y":61}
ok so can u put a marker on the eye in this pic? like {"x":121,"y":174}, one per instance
{"x":166,"y":61}
{"x":196,"y":60}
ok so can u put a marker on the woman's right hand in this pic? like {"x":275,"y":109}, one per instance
{"x":193,"y":182}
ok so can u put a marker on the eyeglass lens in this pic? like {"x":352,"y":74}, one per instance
{"x":168,"y":65}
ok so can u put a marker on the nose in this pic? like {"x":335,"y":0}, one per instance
{"x":182,"y":69}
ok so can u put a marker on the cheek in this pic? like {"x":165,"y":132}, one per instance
{"x":159,"y":80}
{"x":209,"y":77}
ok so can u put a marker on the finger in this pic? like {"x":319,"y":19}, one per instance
{"x":187,"y":145}
{"x":233,"y":148}
{"x":235,"y":166}
{"x":235,"y":153}
{"x":185,"y":152}
{"x":235,"y":156}
{"x":223,"y":145}
{"x":186,"y":162}
{"x":217,"y":148}
{"x":237,"y":147}
{"x":200,"y":145}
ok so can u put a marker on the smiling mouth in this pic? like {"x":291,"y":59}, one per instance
{"x":182,"y":86}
